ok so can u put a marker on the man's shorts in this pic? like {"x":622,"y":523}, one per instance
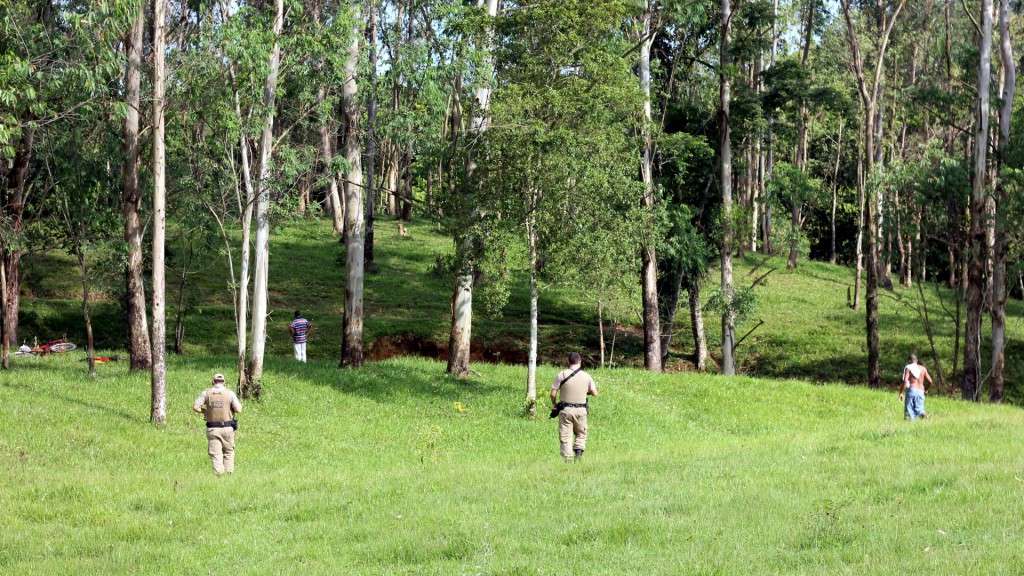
{"x":913,"y":404}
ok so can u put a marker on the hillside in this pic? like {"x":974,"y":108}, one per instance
{"x":808,"y":333}
{"x":396,"y":469}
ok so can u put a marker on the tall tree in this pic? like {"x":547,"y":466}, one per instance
{"x":869,"y":91}
{"x":371,"y":134}
{"x":999,"y":279}
{"x":649,"y":257}
{"x":158,"y":404}
{"x":971,"y":380}
{"x":138,"y":329}
{"x":262,"y":248}
{"x":460,"y":336}
{"x":725,"y":181}
{"x":352,"y":323}
{"x":803,"y":122}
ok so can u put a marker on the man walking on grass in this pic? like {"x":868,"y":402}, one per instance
{"x":569,"y":401}
{"x":913,"y":389}
{"x":219,"y":405}
{"x":299,"y":329}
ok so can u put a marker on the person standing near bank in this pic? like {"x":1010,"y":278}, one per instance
{"x":219,"y":405}
{"x":569,"y":401}
{"x":299,"y":329}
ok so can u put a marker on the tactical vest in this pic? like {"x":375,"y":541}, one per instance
{"x":574,"y":391}
{"x":218,"y":405}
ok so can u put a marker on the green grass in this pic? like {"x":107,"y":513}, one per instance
{"x":375,"y":471}
{"x":809,"y":332}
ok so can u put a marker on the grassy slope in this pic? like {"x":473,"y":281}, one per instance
{"x":809,"y":332}
{"x":376,"y":472}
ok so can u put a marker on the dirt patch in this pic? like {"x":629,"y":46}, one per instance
{"x":504,"y":351}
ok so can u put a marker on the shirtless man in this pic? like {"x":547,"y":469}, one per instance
{"x":912,"y":391}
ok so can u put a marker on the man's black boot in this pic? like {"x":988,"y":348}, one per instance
{"x":578,"y":452}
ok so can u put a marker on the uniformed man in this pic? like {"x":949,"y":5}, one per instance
{"x":219,"y":406}
{"x":569,"y":399}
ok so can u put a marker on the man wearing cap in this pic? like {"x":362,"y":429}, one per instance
{"x":219,"y":406}
{"x":569,"y":398}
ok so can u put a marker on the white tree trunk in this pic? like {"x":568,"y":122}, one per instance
{"x":158,"y":404}
{"x":139,"y":347}
{"x":649,"y":269}
{"x":979,"y":193}
{"x":352,"y":338}
{"x":242,"y":313}
{"x":835,"y":190}
{"x":725,"y":179}
{"x":262,"y":248}
{"x":462,"y":298}
{"x":999,"y":276}
{"x":531,"y":371}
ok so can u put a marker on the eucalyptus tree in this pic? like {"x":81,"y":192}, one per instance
{"x":725,"y":183}
{"x":45,"y":76}
{"x":558,"y":163}
{"x":158,"y":381}
{"x":131,"y":199}
{"x":869,"y":86}
{"x":355,"y":220}
{"x":647,"y":29}
{"x":460,"y":336}
{"x":1003,"y":206}
{"x":978,"y":245}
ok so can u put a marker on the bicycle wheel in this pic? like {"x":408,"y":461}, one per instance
{"x":63,"y":347}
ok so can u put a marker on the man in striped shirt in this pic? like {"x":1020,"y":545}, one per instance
{"x":300,"y":328}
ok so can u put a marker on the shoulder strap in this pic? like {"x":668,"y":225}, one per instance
{"x":569,"y":377}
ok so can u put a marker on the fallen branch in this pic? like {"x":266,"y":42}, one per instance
{"x":749,"y":332}
{"x":761,"y":278}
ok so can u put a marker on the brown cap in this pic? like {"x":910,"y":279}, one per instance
{"x":218,"y":378}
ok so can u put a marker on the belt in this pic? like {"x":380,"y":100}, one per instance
{"x":571,"y":405}
{"x":226,"y":424}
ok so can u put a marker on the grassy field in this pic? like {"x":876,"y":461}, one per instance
{"x":809,"y":332}
{"x":396,"y":469}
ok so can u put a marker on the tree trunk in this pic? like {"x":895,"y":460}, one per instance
{"x":861,"y":207}
{"x":649,"y":268}
{"x":179,"y":309}
{"x":352,"y":322}
{"x":90,"y":349}
{"x":869,"y":99}
{"x":371,"y":135}
{"x":158,"y":404}
{"x":700,"y":343}
{"x":462,"y":298}
{"x":245,"y":258}
{"x":668,"y":299}
{"x":531,"y":370}
{"x":766,"y":218}
{"x":5,"y":346}
{"x":835,"y":191}
{"x":999,"y":276}
{"x":327,"y":161}
{"x":600,"y":329}
{"x":131,"y":199}
{"x":803,"y":126}
{"x":978,"y":243}
{"x":17,"y":178}
{"x":725,"y":179}
{"x":261,"y":274}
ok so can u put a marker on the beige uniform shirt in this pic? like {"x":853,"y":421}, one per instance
{"x":576,"y":389}
{"x":236,"y":404}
